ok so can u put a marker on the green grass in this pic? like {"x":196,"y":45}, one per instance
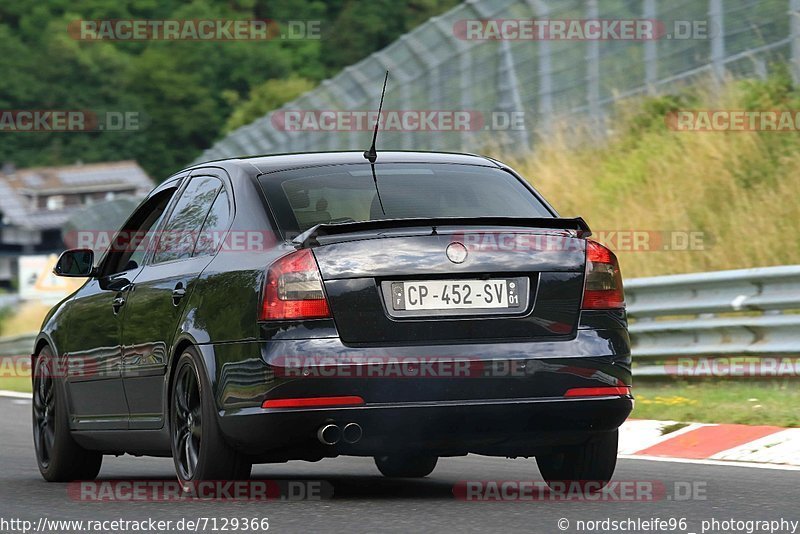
{"x":15,"y":383}
{"x":729,"y":190}
{"x":673,"y":427}
{"x":751,"y":403}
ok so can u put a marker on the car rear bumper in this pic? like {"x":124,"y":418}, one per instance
{"x":497,"y":427}
{"x":519,"y":410}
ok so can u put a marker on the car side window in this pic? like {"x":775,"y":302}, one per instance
{"x":145,"y":243}
{"x":216,"y":223}
{"x":178,"y":239}
{"x":135,"y":239}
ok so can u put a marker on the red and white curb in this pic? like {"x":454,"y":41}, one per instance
{"x":772,"y":445}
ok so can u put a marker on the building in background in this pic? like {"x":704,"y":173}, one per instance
{"x":36,"y":203}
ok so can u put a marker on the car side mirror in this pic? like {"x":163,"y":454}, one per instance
{"x":75,"y":263}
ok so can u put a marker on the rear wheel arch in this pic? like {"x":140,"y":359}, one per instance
{"x":179,"y":349}
{"x":185,"y":342}
{"x":41,"y":343}
{"x":213,"y":458}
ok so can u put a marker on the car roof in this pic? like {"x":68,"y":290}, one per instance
{"x":278,"y":162}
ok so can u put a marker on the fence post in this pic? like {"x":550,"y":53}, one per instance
{"x":593,"y":73}
{"x":465,"y":66}
{"x":432,"y":79}
{"x":508,"y":98}
{"x":794,"y":25}
{"x":458,"y":48}
{"x":545,"y":93}
{"x":716,"y":17}
{"x":650,"y":50}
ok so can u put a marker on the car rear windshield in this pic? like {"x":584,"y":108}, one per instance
{"x":303,"y":198}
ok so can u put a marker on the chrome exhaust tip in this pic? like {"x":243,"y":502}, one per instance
{"x":329,"y":434}
{"x":352,"y":432}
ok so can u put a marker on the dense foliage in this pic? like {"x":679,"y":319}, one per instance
{"x":187,"y":93}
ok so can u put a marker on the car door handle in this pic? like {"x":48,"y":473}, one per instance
{"x":117,"y":303}
{"x":178,"y":293}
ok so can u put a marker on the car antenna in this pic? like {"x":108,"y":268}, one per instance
{"x":371,"y":155}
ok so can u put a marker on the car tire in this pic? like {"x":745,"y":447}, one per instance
{"x":199,"y":451}
{"x":59,"y":457}
{"x":406,"y":465}
{"x":591,"y":464}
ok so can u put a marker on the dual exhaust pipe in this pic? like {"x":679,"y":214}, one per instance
{"x":332,"y":434}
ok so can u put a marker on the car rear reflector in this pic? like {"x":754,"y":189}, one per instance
{"x":306,"y":402}
{"x":603,"y":286}
{"x":294,"y":289}
{"x":597,"y":392}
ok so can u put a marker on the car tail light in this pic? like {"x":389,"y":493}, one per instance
{"x":294,"y":289}
{"x":603,"y":287}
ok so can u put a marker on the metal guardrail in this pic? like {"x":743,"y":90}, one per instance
{"x":729,"y":323}
{"x":17,"y":345}
{"x":719,"y":319}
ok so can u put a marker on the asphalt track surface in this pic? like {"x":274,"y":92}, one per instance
{"x":364,"y":501}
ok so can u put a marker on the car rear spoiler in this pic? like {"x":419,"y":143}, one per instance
{"x":308,"y":238}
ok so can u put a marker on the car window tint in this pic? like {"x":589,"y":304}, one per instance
{"x":178,"y":238}
{"x":216,"y":223}
{"x":134,"y":240}
{"x":145,"y":243}
{"x":303,"y":198}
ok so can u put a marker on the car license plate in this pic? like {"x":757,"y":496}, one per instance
{"x":455,"y":294}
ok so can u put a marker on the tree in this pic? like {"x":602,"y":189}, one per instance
{"x":187,"y":94}
{"x":270,"y":95}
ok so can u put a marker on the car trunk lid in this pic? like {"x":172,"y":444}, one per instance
{"x":451,"y":281}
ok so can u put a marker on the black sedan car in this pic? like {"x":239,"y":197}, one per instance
{"x":305,"y":306}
